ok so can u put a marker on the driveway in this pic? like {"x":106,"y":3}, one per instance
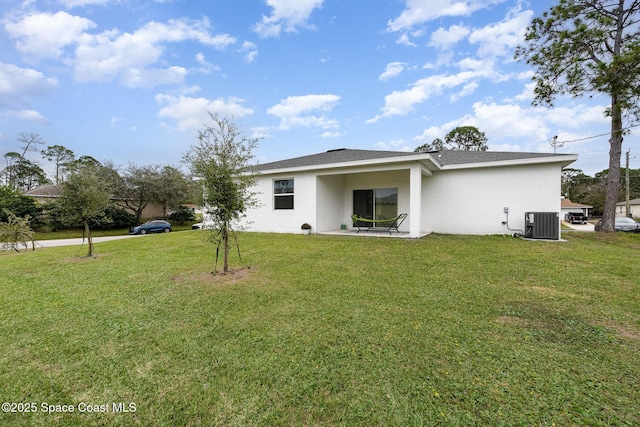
{"x":580,"y":227}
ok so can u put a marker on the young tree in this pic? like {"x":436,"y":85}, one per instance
{"x":85,"y":196}
{"x":580,"y":47}
{"x":15,"y":232}
{"x":61,"y":157}
{"x":221,"y":162}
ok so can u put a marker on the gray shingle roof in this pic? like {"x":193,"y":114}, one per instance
{"x":456,"y":157}
{"x":631,"y":202}
{"x":341,"y":155}
{"x":45,"y":191}
{"x":444,"y":157}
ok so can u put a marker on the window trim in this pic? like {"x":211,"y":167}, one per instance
{"x":284,"y":196}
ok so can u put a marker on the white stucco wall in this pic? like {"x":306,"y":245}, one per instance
{"x":454,"y":201}
{"x":472,"y":201}
{"x":329,"y":203}
{"x":267,"y":219}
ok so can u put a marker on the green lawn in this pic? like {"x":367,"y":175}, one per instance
{"x":445,"y":330}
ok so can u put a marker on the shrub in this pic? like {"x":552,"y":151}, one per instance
{"x":182,"y":215}
{"x":21,"y":206}
{"x":15,"y":232}
{"x":114,"y":218}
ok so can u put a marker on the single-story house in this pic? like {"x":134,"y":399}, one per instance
{"x":634,"y":208}
{"x":452,"y":192}
{"x":567,"y":206}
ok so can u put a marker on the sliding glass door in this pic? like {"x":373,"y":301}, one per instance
{"x":379,"y":203}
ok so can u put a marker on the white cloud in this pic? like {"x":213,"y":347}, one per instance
{"x":418,"y":12}
{"x":73,"y":3}
{"x":509,"y":121}
{"x":512,"y":127}
{"x":149,"y":77}
{"x":205,"y":66}
{"x":17,"y":85}
{"x":577,"y":116}
{"x":193,"y":113}
{"x":404,"y":40}
{"x":444,"y":39}
{"x":431,"y":133}
{"x":467,"y":90}
{"x":393,"y":69}
{"x":23,"y":82}
{"x":332,"y":134}
{"x":34,"y":33}
{"x":287,"y":16}
{"x":295,"y":111}
{"x":130,"y":56}
{"x":30,"y":115}
{"x":250,"y":51}
{"x":501,"y":38}
{"x":322,"y":122}
{"x":394,"y":145}
{"x":399,"y":103}
{"x":297,"y":105}
{"x":260,"y":132}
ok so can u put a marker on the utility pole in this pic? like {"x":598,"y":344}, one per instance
{"x":627,"y":181}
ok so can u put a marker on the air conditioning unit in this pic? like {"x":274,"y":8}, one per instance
{"x":542,"y":225}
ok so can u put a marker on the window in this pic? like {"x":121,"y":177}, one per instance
{"x":283,"y":193}
{"x":381,"y":203}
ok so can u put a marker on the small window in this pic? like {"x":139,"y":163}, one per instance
{"x":283,"y":193}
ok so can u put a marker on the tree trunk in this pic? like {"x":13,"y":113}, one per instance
{"x":225,"y":244}
{"x":613,"y":177}
{"x":87,"y":233}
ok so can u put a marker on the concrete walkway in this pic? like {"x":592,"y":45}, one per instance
{"x":80,"y":241}
{"x":580,"y":227}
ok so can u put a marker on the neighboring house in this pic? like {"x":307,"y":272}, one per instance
{"x":45,"y":194}
{"x":634,"y":208}
{"x":567,"y":206}
{"x":453,"y":192}
{"x":49,"y":193}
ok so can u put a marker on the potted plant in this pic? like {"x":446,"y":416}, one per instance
{"x":306,"y":228}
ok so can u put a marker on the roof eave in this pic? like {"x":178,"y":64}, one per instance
{"x":426,"y":159}
{"x":564,"y":160}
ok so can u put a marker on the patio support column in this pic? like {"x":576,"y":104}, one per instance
{"x":415,"y":201}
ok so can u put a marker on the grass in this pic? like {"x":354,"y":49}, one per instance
{"x":445,"y":330}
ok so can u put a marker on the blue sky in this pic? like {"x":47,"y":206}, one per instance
{"x":133,"y":80}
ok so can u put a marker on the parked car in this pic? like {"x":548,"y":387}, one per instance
{"x":622,"y":224}
{"x":202,"y":225}
{"x":155,"y":226}
{"x":576,"y":217}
